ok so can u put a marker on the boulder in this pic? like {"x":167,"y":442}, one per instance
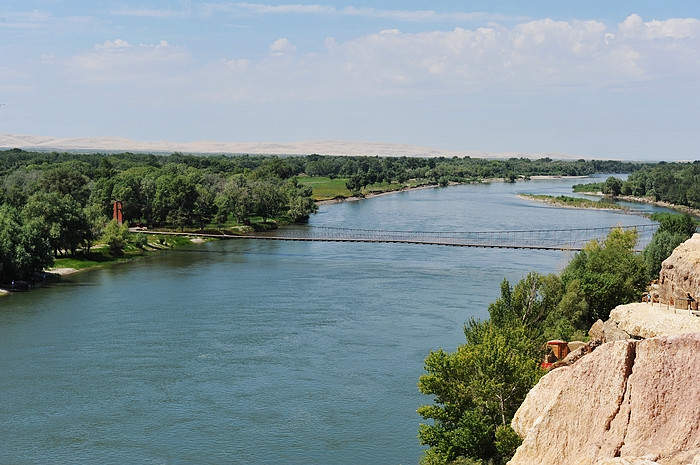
{"x":628,"y":402}
{"x":613,"y":332}
{"x":680,"y":273}
{"x":596,"y":331}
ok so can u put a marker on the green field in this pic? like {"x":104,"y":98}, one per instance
{"x":326,"y":188}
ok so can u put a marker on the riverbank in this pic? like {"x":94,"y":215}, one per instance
{"x":370,"y":195}
{"x":650,"y":201}
{"x":659,"y":203}
{"x":99,"y":259}
{"x":49,"y":274}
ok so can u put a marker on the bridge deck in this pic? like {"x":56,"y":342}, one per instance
{"x":551,"y":239}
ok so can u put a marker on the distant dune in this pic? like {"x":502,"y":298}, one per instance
{"x":321,"y":147}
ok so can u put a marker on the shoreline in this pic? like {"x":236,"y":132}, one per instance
{"x":660,"y":203}
{"x":63,"y":271}
{"x":371,"y":195}
{"x":650,"y":201}
{"x":49,"y":274}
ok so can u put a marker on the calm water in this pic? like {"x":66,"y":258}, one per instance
{"x":262,"y":352}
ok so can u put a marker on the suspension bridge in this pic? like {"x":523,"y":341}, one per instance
{"x":536,"y":239}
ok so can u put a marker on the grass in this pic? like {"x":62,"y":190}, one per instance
{"x":324,"y":188}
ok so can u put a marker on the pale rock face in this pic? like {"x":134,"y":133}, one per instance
{"x":680,"y":273}
{"x":628,"y":402}
{"x":647,"y":460}
{"x":644,"y":320}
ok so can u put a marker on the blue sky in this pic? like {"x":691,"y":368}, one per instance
{"x":617,"y":79}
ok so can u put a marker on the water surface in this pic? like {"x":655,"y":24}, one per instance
{"x":263,"y":352}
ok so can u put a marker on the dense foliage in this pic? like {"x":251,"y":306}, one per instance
{"x":609,"y":273}
{"x":55,"y":204}
{"x":673,"y":231}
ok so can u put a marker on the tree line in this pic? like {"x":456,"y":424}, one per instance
{"x":478,"y":388}
{"x":54,"y":204}
{"x":676,"y":183}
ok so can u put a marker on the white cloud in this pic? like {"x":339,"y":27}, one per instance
{"x":675,"y":28}
{"x":282,"y":47}
{"x":534,"y":56}
{"x":119,"y":61}
{"x":111,"y":45}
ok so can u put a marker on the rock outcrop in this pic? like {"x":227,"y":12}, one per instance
{"x":680,"y":273}
{"x":644,"y":320}
{"x":628,"y":402}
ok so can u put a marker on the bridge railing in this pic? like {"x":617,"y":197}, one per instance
{"x":559,"y":239}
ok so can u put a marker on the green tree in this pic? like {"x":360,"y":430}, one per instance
{"x":609,"y":273}
{"x":476,"y":390}
{"x":299,"y":202}
{"x":67,"y":178}
{"x":176,"y":195}
{"x":267,"y":199}
{"x":116,"y":237}
{"x":23,"y":250}
{"x":96,"y":220}
{"x":235,"y":199}
{"x":674,"y":229}
{"x":204,"y":206}
{"x":612,"y":186}
{"x":60,"y":218}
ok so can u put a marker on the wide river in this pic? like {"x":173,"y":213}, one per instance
{"x":263,"y":352}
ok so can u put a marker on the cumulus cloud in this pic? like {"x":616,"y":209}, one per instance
{"x":531,"y":55}
{"x":282,"y":47}
{"x":675,"y":28}
{"x":112,"y":44}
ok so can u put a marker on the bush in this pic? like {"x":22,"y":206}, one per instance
{"x":115,"y":236}
{"x":140,"y":241}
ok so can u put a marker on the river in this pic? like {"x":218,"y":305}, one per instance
{"x":262,"y":352}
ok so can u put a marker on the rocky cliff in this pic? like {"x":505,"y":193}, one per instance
{"x":626,"y":402}
{"x":633,"y":400}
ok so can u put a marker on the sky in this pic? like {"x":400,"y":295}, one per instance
{"x":587,"y":78}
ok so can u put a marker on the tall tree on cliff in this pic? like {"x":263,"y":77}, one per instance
{"x":609,"y":273}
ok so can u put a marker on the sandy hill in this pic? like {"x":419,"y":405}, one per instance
{"x":322,"y":147}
